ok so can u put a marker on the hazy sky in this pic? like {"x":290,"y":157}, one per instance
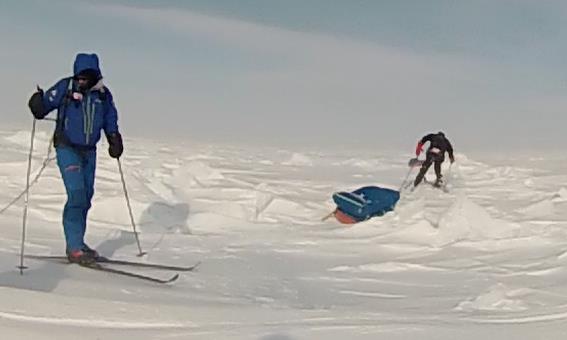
{"x":491,"y":74}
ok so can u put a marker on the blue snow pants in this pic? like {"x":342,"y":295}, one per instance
{"x":77,"y":169}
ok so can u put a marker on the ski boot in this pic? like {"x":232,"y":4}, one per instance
{"x":81,"y":257}
{"x":91,"y":251}
{"x":438,"y":183}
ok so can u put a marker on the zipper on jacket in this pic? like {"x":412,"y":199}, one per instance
{"x":87,"y":118}
{"x":84,"y":118}
{"x":93,"y":109}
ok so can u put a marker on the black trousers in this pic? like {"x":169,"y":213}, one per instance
{"x":431,"y":158}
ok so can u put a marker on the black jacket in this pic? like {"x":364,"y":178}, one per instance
{"x":439,"y":141}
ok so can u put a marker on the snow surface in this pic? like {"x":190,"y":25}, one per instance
{"x":486,"y":260}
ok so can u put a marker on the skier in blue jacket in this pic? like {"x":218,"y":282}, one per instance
{"x":84,"y":107}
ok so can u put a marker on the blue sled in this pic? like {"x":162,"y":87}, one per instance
{"x":364,"y":203}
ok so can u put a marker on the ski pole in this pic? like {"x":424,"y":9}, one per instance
{"x":449,"y":170}
{"x":448,"y":174}
{"x":412,"y":163}
{"x":141,"y":253}
{"x":26,"y":202}
{"x":405,"y":179}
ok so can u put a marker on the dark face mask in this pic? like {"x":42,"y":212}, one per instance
{"x":87,"y":79}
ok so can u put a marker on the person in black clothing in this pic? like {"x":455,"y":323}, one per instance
{"x":438,"y":145}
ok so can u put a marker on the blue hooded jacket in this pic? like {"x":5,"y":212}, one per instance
{"x":82,"y":116}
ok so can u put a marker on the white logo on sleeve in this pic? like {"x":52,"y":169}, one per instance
{"x":52,"y":95}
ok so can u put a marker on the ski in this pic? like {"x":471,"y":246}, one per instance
{"x":100,"y":267}
{"x":106,"y":260}
{"x":442,"y":187}
{"x":103,"y":259}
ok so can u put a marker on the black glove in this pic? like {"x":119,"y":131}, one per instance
{"x":452,"y":159}
{"x":115,"y":146}
{"x":36,"y":104}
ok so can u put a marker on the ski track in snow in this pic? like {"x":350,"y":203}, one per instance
{"x":87,"y":323}
{"x":490,"y":252}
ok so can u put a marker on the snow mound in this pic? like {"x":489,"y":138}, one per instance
{"x":285,"y":209}
{"x":561,"y":195}
{"x":162,"y":216}
{"x":463,"y":220}
{"x":466,"y":220}
{"x":114,"y":211}
{"x":540,"y":209}
{"x":368,"y":165}
{"x":263,"y":198}
{"x":196,"y":172}
{"x":298,"y":159}
{"x":497,"y":298}
{"x":386,"y":267}
{"x":211,"y":223}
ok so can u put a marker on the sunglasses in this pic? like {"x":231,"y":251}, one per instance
{"x":82,"y":79}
